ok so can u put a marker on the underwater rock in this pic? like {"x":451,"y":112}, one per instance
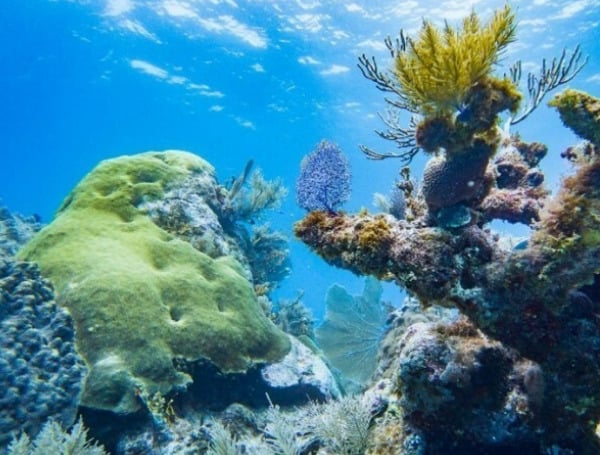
{"x":460,"y":393}
{"x":301,"y":373}
{"x":16,"y":230}
{"x":140,"y":297}
{"x":41,"y":373}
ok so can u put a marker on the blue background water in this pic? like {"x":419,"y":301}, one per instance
{"x":86,"y":80}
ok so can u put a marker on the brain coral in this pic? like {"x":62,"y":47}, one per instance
{"x":41,"y":374}
{"x":448,"y":181}
{"x":140,"y":297}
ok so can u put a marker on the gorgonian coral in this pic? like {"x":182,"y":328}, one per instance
{"x":324,"y":181}
{"x":444,"y":77}
{"x":437,"y":70}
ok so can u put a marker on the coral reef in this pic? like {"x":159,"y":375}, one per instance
{"x":536,"y":305}
{"x":336,"y":426}
{"x":529,"y":299}
{"x":518,"y":194}
{"x":215,"y":218}
{"x":175,"y":426}
{"x":580,"y":112}
{"x":445,"y":79}
{"x":324,"y":181}
{"x":458,"y":392}
{"x":144,"y":301}
{"x":438,"y":69}
{"x":41,"y":373}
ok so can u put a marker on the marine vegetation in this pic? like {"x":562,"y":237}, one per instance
{"x":295,"y":318}
{"x":324,"y":181}
{"x":336,"y":427}
{"x":531,"y":327}
{"x":437,"y":70}
{"x":445,"y":79}
{"x":241,"y":204}
{"x":52,"y":439}
{"x":268,"y":255}
{"x":250,"y":195}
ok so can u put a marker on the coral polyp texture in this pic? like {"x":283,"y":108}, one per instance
{"x":143,"y":299}
{"x":536,"y":304}
{"x":41,"y":373}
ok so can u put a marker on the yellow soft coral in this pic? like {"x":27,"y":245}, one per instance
{"x":437,"y":69}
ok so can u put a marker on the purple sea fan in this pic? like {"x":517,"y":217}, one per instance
{"x":324,"y":181}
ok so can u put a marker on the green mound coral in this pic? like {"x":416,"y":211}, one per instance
{"x":438,"y":69}
{"x":144,"y":301}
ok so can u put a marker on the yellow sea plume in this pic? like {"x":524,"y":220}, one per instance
{"x":436,"y":70}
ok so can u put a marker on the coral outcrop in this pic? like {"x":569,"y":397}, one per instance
{"x":41,"y":373}
{"x":536,"y":305}
{"x":143,"y":299}
{"x":459,"y":392}
{"x":535,"y":299}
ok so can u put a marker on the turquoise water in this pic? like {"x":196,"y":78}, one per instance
{"x":233,"y":80}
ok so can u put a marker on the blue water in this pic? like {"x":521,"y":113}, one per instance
{"x":86,"y":80}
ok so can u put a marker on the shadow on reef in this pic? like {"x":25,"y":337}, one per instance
{"x":210,"y":392}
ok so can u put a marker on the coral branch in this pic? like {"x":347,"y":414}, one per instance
{"x":560,"y":71}
{"x":404,"y":138}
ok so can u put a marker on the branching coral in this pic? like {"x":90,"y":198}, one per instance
{"x":446,"y":75}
